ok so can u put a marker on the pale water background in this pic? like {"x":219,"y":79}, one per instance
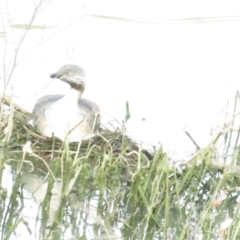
{"x":177,"y":71}
{"x":176,"y":63}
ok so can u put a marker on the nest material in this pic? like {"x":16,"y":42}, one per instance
{"x":17,"y":131}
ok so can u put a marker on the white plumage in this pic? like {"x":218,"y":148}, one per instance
{"x":67,"y":116}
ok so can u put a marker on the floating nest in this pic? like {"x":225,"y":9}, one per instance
{"x":17,"y":132}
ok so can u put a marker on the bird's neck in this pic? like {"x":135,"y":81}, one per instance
{"x":70,"y":99}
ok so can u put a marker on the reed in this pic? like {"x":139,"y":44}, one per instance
{"x":116,"y":189}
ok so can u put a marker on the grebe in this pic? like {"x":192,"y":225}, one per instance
{"x":67,"y":116}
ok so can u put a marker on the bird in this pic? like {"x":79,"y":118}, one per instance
{"x":68,"y":117}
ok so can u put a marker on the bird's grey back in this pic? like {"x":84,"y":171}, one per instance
{"x":45,"y":101}
{"x":92,"y":112}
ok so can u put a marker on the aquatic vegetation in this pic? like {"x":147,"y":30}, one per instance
{"x":113,"y":188}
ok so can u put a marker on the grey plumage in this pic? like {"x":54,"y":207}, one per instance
{"x":67,"y":116}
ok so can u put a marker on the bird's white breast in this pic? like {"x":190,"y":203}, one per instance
{"x":65,"y":119}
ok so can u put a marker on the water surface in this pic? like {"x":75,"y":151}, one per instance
{"x":178,"y":70}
